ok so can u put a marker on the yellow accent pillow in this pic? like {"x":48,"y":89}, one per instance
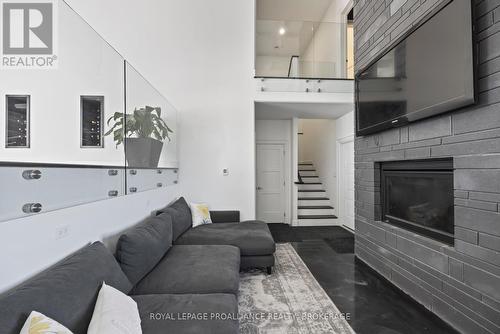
{"x":200,"y":214}
{"x":38,"y":323}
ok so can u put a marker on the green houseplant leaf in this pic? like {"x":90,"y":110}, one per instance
{"x":142,"y":123}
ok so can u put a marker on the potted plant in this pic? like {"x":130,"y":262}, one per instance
{"x":143,"y":132}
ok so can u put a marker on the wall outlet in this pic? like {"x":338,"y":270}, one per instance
{"x":62,"y":232}
{"x":225,"y":172}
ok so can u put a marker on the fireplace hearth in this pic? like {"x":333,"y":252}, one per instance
{"x":418,"y":196}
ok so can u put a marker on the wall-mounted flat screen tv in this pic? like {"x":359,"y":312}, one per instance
{"x":428,"y":71}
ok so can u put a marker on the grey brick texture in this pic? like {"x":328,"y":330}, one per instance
{"x":459,"y":283}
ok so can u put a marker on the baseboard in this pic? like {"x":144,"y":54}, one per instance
{"x":348,"y":229}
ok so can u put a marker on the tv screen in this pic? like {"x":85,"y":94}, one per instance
{"x":428,"y":71}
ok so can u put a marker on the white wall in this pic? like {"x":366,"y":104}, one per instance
{"x":295,"y":170}
{"x":325,"y":48}
{"x":279,"y":132}
{"x":272,"y":66}
{"x":273,"y":130}
{"x":200,"y":55}
{"x":318,"y":145}
{"x":321,"y":58}
{"x":345,"y":201}
{"x":345,"y":125}
{"x":334,"y":12}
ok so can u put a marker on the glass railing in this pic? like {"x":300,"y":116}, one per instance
{"x":301,"y":49}
{"x":77,"y":140}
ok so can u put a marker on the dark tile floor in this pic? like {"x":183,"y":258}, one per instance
{"x":374,"y":304}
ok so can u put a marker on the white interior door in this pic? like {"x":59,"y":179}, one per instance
{"x":346,"y":183}
{"x":271,"y":183}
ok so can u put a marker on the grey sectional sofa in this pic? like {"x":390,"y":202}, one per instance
{"x":165,"y":278}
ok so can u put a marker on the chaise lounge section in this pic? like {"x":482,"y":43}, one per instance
{"x":253,"y":238}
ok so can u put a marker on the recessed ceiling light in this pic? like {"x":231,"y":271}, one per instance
{"x":282,"y":31}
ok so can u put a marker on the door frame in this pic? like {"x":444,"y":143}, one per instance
{"x":343,"y":36}
{"x":287,"y":175}
{"x":340,"y":142}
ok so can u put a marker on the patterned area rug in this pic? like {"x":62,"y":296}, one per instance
{"x":289,"y":301}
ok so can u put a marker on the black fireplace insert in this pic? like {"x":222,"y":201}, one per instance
{"x":418,"y":196}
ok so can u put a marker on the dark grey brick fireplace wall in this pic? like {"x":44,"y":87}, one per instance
{"x":460,"y":283}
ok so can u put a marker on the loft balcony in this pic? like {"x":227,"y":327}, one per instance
{"x":305,"y":61}
{"x":303,"y":50}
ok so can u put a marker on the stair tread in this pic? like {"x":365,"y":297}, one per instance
{"x":314,"y":199}
{"x":306,"y":164}
{"x":316,"y":183}
{"x":308,"y":176}
{"x":312,"y":191}
{"x":315,"y":207}
{"x":307,"y":170}
{"x":317,"y":217}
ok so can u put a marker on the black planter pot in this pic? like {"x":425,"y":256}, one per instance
{"x":143,"y":152}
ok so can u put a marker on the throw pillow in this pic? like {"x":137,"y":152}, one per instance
{"x":39,"y":323}
{"x":200,"y":214}
{"x":114,"y":313}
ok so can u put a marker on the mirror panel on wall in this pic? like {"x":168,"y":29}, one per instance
{"x":151,"y":139}
{"x":53,"y":153}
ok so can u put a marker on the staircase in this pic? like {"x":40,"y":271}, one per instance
{"x":314,"y":206}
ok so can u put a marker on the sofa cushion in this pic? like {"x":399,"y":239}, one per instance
{"x":66,"y":292}
{"x":141,"y":248}
{"x":180,"y":213}
{"x":194,"y":269}
{"x":225,"y":216}
{"x":252,"y":238}
{"x":163,"y":313}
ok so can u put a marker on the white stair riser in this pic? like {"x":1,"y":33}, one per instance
{"x":314,"y":212}
{"x":312,"y":194}
{"x":314,"y":203}
{"x":310,"y":186}
{"x":303,"y":168}
{"x":311,"y":179}
{"x":307,"y":173}
{"x":318,"y":222}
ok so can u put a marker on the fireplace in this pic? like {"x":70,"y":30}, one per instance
{"x":418,"y":196}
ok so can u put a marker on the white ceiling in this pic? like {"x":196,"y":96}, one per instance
{"x":283,"y":110}
{"x":292,"y":10}
{"x":296,"y":16}
{"x":270,"y":43}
